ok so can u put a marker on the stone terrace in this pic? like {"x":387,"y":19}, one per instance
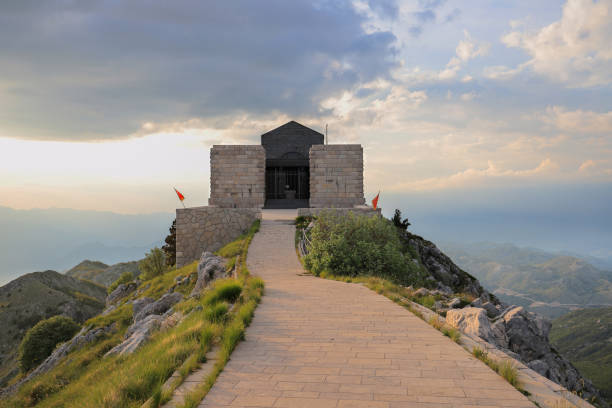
{"x":320,"y":343}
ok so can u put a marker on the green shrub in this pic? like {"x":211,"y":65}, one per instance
{"x":453,"y":333}
{"x":216,"y":313}
{"x":125,"y":277}
{"x":232,"y":249}
{"x":355,"y":245}
{"x":224,"y":290}
{"x":509,"y":372}
{"x":40,"y":341}
{"x":153,"y":264}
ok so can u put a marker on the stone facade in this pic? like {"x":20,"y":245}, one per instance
{"x":237,"y":176}
{"x":200,"y":229}
{"x":290,"y":141}
{"x":336,"y":176}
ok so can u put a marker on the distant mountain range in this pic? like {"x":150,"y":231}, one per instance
{"x":57,"y":239}
{"x":544,"y":282}
{"x":36,"y":296}
{"x":585,"y":338}
{"x":102,"y":273}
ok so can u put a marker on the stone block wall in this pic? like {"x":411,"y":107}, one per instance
{"x":336,"y":176}
{"x":361,"y":210}
{"x":237,"y":176}
{"x":200,"y":229}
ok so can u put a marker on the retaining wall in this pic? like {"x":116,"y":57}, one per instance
{"x":200,"y":229}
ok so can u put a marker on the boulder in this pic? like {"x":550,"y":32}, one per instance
{"x":137,"y":334}
{"x":140,"y":303}
{"x":120,"y":292}
{"x":491,"y":309}
{"x":471,"y":320}
{"x":158,"y":307}
{"x":422,"y":292}
{"x":210,"y":268}
{"x":455,"y":302}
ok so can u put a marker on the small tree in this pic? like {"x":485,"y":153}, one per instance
{"x":170,"y":247}
{"x":398,"y":222}
{"x":40,"y":341}
{"x":154,"y":264}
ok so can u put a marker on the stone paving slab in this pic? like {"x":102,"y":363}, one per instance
{"x":321,"y":343}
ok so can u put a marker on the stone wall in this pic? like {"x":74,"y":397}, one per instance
{"x":237,"y":176}
{"x":336,"y":176}
{"x":200,"y":229}
{"x":361,"y":210}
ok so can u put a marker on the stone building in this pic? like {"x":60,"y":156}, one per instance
{"x":292,"y":168}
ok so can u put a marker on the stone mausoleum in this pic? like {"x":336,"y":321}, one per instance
{"x":292,"y":168}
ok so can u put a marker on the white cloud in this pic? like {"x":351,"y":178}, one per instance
{"x":578,"y":121}
{"x":466,"y":78}
{"x":575,"y":50}
{"x":474,"y":176}
{"x":468,"y":96}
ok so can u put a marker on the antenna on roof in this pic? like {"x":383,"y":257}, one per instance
{"x":326,"y":133}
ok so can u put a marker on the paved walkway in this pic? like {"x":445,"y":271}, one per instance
{"x":320,"y":343}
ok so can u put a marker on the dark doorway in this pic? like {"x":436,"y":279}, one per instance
{"x":287,"y":187}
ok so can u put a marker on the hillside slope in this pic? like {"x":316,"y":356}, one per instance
{"x":542,"y":282}
{"x":101,"y":273}
{"x":36,"y":296}
{"x":585,"y":338}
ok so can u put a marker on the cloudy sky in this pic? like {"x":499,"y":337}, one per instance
{"x":106,"y":105}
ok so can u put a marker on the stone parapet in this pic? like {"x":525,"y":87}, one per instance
{"x":362,"y":210}
{"x":200,"y":229}
{"x":336,"y":176}
{"x":237,"y":176}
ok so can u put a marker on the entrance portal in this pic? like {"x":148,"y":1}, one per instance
{"x":287,"y":187}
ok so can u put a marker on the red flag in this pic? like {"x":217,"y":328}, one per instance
{"x":180,"y":196}
{"x":375,"y":201}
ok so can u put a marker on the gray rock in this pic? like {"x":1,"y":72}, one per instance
{"x":455,"y":302}
{"x":140,"y":303}
{"x":421,"y":292}
{"x":491,"y":309}
{"x":477,"y":302}
{"x":210,"y":268}
{"x":137,"y":335}
{"x":158,"y":307}
{"x":120,"y":292}
{"x":471,"y":320}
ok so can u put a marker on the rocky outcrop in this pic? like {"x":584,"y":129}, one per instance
{"x":523,"y":335}
{"x":121,"y":292}
{"x":210,"y":268}
{"x":85,"y":336}
{"x":149,"y":316}
{"x":447,"y":276}
{"x":146,"y":308}
{"x":471,"y":320}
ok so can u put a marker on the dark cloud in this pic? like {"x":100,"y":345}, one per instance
{"x":426,"y":14}
{"x":386,"y":8}
{"x":99,"y":69}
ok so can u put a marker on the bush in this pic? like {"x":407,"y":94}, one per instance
{"x":354,"y":245}
{"x":40,"y":341}
{"x":124,"y":278}
{"x":154,"y":264}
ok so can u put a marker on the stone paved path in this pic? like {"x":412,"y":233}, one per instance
{"x":320,"y":343}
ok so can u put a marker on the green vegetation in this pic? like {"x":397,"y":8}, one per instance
{"x":130,"y":381}
{"x":125,"y":277}
{"x":40,"y":341}
{"x":355,"y":245}
{"x":583,"y":336}
{"x":506,"y":369}
{"x":398,"y":222}
{"x":153,"y":264}
{"x":169,"y":247}
{"x":37,"y":296}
